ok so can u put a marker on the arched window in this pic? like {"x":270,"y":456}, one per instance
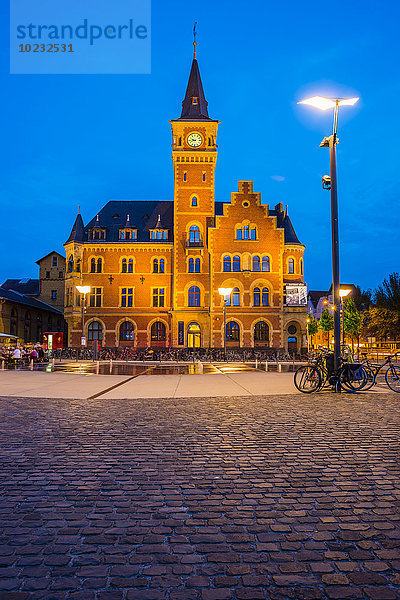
{"x":95,"y":331}
{"x":93,"y":265}
{"x":261,"y":332}
{"x":256,"y":296}
{"x":256,"y":263}
{"x":70,"y":264}
{"x":158,"y":332}
{"x":162,"y":265}
{"x":236,"y":297}
{"x":126,"y":332}
{"x":78,"y":265}
{"x":265,"y":296}
{"x":265,"y":264}
{"x":291,"y":265}
{"x":194,"y":296}
{"x":197,"y":265}
{"x":99,"y":265}
{"x":301,"y":266}
{"x":124,"y":266}
{"x":130,"y":265}
{"x":194,"y":233}
{"x":194,"y":201}
{"x":155,"y":265}
{"x":232,"y":332}
{"x":14,"y":322}
{"x":227,"y":263}
{"x":191,"y":265}
{"x":246,"y":232}
{"x":236,"y":263}
{"x":184,"y":174}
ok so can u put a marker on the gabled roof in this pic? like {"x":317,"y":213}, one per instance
{"x":19,"y":298}
{"x":30,"y":287}
{"x":49,"y":254}
{"x":143,"y":213}
{"x":315,"y":295}
{"x":77,"y":233}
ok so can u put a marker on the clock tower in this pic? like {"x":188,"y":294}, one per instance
{"x":194,"y":155}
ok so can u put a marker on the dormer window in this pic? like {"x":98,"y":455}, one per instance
{"x":98,"y":234}
{"x":127,"y":234}
{"x":195,"y":100}
{"x":158,"y":232}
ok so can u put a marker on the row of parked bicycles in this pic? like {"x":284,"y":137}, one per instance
{"x":350,"y":376}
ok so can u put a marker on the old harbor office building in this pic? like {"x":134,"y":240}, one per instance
{"x":154,"y":268}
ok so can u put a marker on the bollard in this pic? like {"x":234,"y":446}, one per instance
{"x":97,"y":367}
{"x":31,"y":364}
{"x":200,"y":367}
{"x":279,"y":367}
{"x":266,"y":365}
{"x":53,"y":361}
{"x":2,"y":364}
{"x":256,"y":363}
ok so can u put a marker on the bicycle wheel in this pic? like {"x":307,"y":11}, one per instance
{"x":307,"y":379}
{"x":392,"y":377}
{"x":370,"y":378}
{"x":352,"y":379}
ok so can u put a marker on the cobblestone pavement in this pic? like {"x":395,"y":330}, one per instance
{"x":207,"y":499}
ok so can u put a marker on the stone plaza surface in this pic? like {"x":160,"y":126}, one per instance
{"x":273,"y":497}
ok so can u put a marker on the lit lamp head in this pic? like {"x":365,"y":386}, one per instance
{"x":344,"y":292}
{"x":225,"y":292}
{"x":83,"y":289}
{"x":327,"y":103}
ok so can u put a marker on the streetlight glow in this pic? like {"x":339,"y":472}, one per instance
{"x":327,"y":103}
{"x":225,"y":292}
{"x":83,"y":289}
{"x":344,"y":292}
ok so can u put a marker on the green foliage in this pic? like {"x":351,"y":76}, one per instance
{"x":352,"y":318}
{"x":326,"y":321}
{"x":312,"y":325}
{"x":387,"y":295}
{"x":362,"y":299}
{"x":381,"y":323}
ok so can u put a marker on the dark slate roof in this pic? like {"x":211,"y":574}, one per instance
{"x":190,"y":111}
{"x":143,"y":217}
{"x":18,"y":298}
{"x":315,"y":295}
{"x":30,"y":287}
{"x":77,"y":233}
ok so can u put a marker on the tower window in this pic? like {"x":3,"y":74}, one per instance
{"x":204,"y":176}
{"x":185,"y":176}
{"x":195,"y":100}
{"x":291,"y":265}
{"x":194,"y":201}
{"x":54,"y":261}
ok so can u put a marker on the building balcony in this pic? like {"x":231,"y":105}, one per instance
{"x":194,"y":242}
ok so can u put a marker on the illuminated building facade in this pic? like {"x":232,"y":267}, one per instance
{"x":154,"y":268}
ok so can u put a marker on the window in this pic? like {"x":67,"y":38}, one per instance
{"x":204,"y":176}
{"x":27,"y":327}
{"x":195,"y":100}
{"x":162,"y":265}
{"x":265,"y":296}
{"x":95,"y":296}
{"x":256,"y":263}
{"x":239,"y":234}
{"x":54,"y":294}
{"x":292,"y":329}
{"x":127,"y":297}
{"x":126,"y":332}
{"x":130,"y":265}
{"x":194,"y":201}
{"x":158,"y":297}
{"x":197,"y":265}
{"x":261,"y":332}
{"x":155,"y":265}
{"x":124,"y":266}
{"x":256,"y":296}
{"x":291,"y":265}
{"x":236,"y":297}
{"x":95,"y":332}
{"x":158,"y":332}
{"x":70,"y":264}
{"x":301,"y":266}
{"x":54,"y":261}
{"x":93,"y":265}
{"x":14,"y":322}
{"x":47,"y":274}
{"x":194,"y":296}
{"x":227,"y":263}
{"x":60,"y":275}
{"x":184,"y":174}
{"x":78,"y":265}
{"x":265,"y":264}
{"x":122,"y":235}
{"x":253,"y":234}
{"x":99,"y":265}
{"x":236,"y":263}
{"x":246,"y":232}
{"x":191,"y":265}
{"x":194,"y":233}
{"x":232,"y":332}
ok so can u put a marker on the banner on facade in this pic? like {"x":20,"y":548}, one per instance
{"x":296,"y":294}
{"x":181,"y":333}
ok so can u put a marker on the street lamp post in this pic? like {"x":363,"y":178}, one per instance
{"x":225,"y":292}
{"x":331,"y":183}
{"x":308,"y":335}
{"x":343,"y":293}
{"x":83,"y":289}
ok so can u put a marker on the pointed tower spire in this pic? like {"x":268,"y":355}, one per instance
{"x":128,"y":223}
{"x":158,"y":224}
{"x":97,"y":224}
{"x":78,"y":230}
{"x":194,"y":106}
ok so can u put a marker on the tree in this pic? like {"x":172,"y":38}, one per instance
{"x":381,"y":323}
{"x":362,"y":299}
{"x":387,"y":295}
{"x":326,"y":322}
{"x":312,"y":326}
{"x":352,"y":321}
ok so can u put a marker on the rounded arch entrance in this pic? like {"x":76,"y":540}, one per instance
{"x":193,"y":335}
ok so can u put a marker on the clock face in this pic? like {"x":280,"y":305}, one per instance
{"x":195,"y":140}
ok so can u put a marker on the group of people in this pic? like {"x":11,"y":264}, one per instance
{"x":22,"y":354}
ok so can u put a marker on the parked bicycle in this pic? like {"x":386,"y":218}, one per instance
{"x":320,"y":373}
{"x":392,"y":373}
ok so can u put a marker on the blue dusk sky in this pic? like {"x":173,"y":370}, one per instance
{"x":69,"y":140}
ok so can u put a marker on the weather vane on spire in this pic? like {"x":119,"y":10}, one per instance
{"x":194,"y":39}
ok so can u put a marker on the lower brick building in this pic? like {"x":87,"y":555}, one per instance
{"x":154,"y":268}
